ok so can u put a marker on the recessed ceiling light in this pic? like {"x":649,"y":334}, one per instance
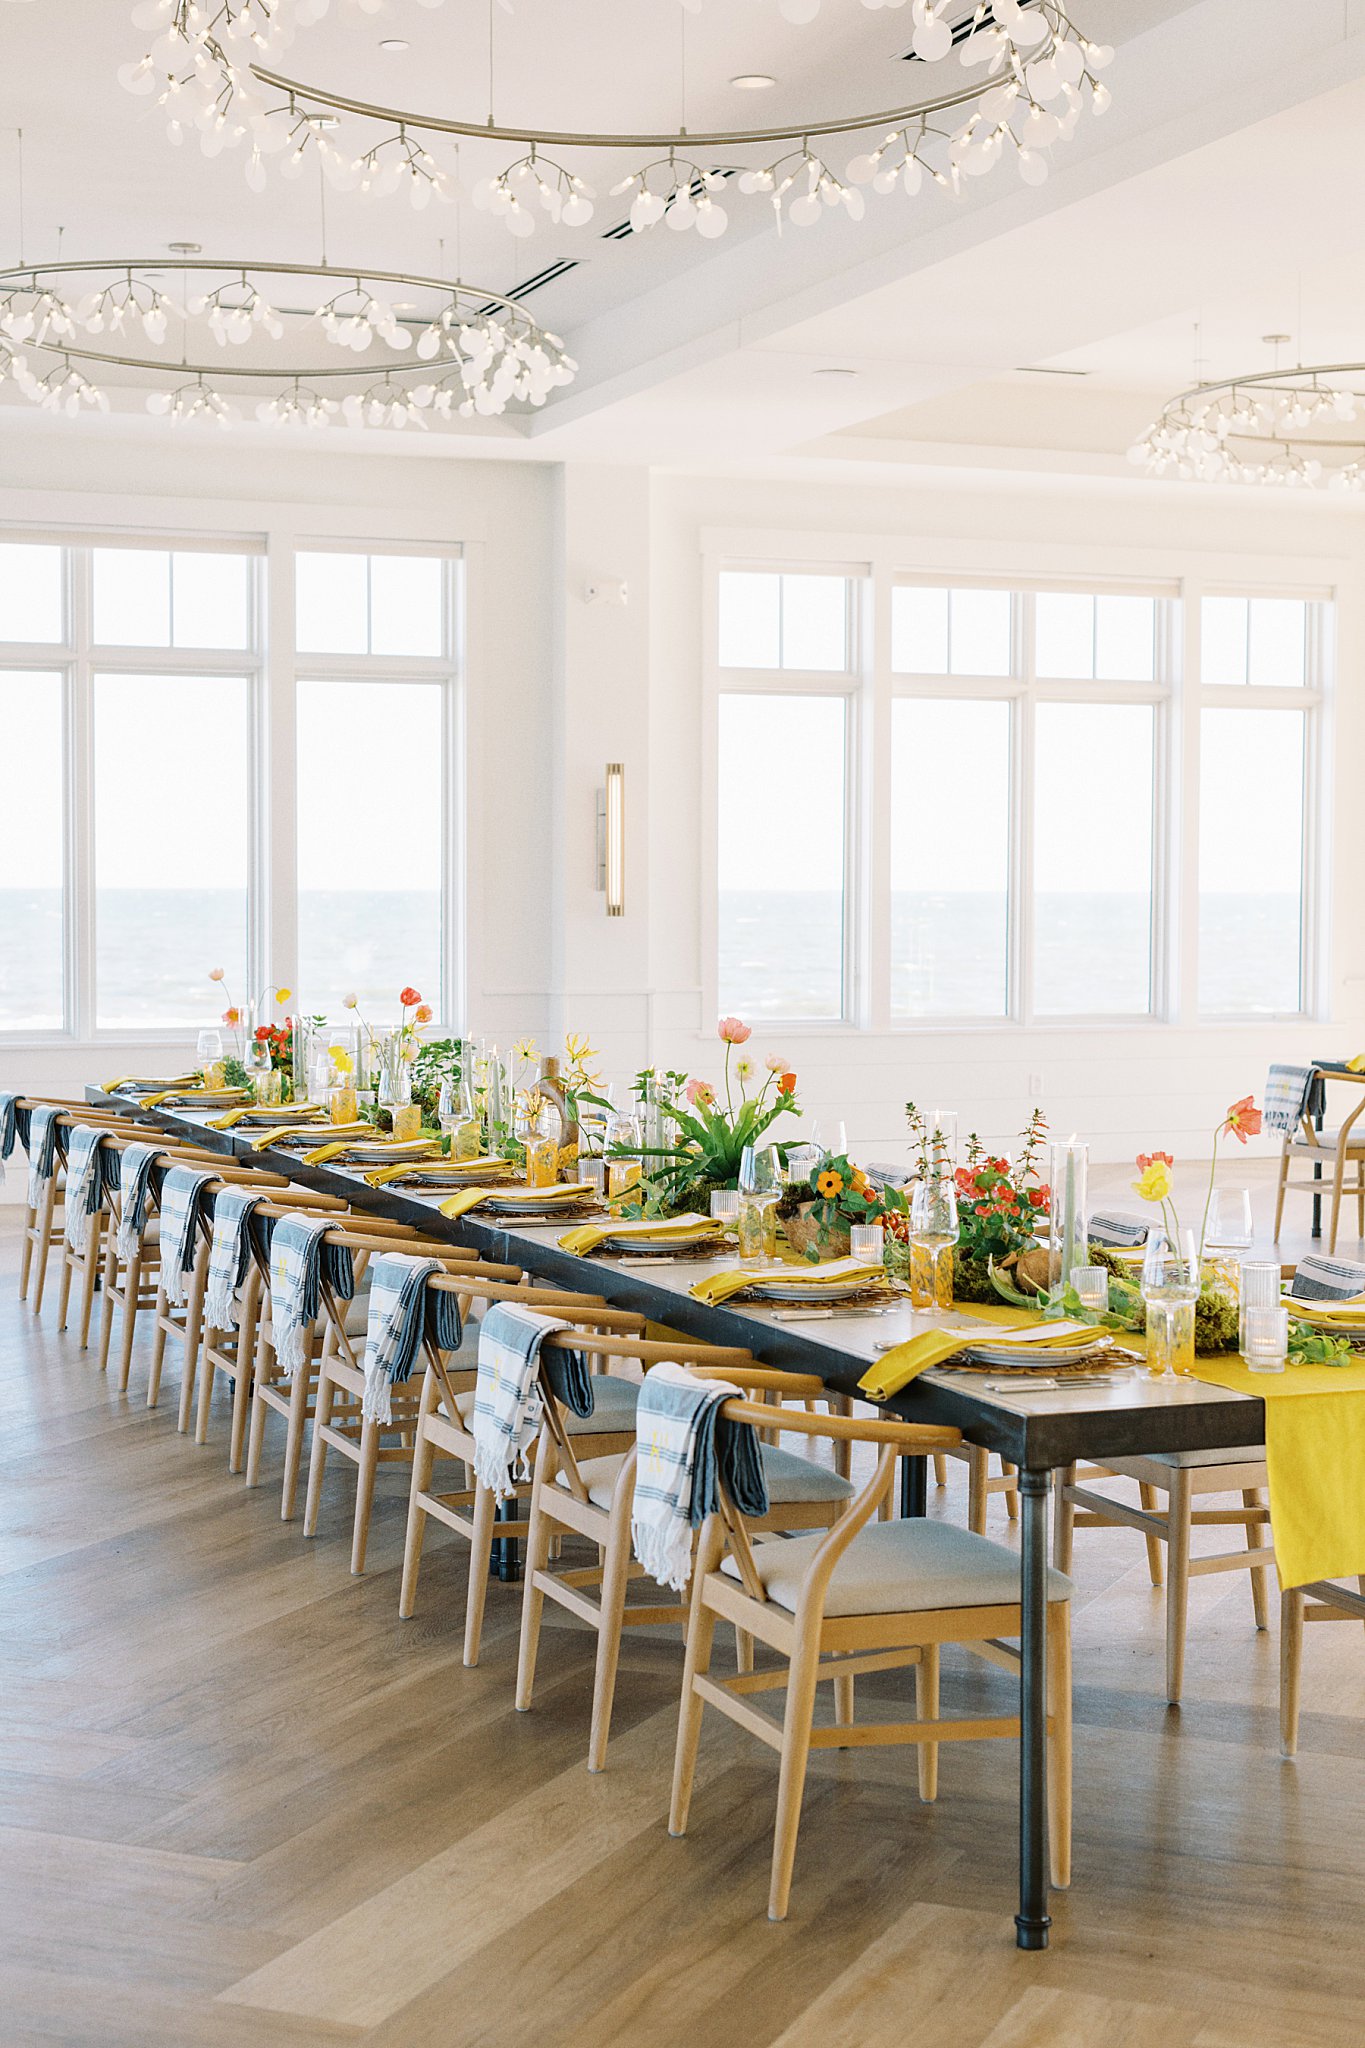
{"x":836,"y":371}
{"x":394,"y":43}
{"x":185,"y":248}
{"x":753,"y":81}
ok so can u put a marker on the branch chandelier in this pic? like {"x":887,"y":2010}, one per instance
{"x":1033,"y":72}
{"x":475,"y":353}
{"x":1264,"y":428}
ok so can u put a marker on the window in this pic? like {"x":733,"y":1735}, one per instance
{"x":32,"y":843}
{"x":171,"y":902}
{"x":369,"y":895}
{"x":976,"y":821}
{"x":781,"y":800}
{"x":145,"y":841}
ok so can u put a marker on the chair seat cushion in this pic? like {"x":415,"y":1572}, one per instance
{"x":1327,"y":1140}
{"x":614,"y":1403}
{"x":909,"y":1567}
{"x":791,"y":1479}
{"x":1248,"y":1454}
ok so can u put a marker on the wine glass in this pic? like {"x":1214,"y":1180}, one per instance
{"x":1230,"y":1226}
{"x":208,"y":1047}
{"x":760,"y":1170}
{"x":830,"y":1139}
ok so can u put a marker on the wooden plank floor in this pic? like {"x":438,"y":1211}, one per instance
{"x":243,"y":1805}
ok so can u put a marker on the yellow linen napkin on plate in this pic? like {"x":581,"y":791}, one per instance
{"x":1315,"y":1455}
{"x":589,"y":1236}
{"x":465,"y":1199}
{"x":237,"y":1116}
{"x":1350,"y":1310}
{"x":718,"y":1287}
{"x":192,"y":1097}
{"x":260,"y":1140}
{"x":149,"y":1081}
{"x":905,"y":1362}
{"x":410,"y":1149}
{"x":383,"y":1174}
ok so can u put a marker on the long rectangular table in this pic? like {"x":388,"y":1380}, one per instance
{"x":1037,"y":1432}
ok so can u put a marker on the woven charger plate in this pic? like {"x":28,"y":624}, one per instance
{"x":861,"y":1297}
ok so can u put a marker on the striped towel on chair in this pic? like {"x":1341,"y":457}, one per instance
{"x":1318,"y":1279}
{"x":229,"y":1251}
{"x":42,"y":1153}
{"x":9,"y":1129}
{"x":684,"y":1447}
{"x":84,"y":1183}
{"x":401,"y":1308}
{"x":508,"y":1403}
{"x":299,"y":1262}
{"x":1117,"y":1231}
{"x":135,"y":1164}
{"x":181,"y":1201}
{"x":1286,"y":1097}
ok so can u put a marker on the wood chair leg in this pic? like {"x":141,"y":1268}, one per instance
{"x":1147,"y":1497}
{"x":538,"y":1547}
{"x":1178,"y":1589}
{"x":241,"y":1403}
{"x":977,"y":1464}
{"x":791,"y":1781}
{"x":1291,"y":1668}
{"x":93,"y":1260}
{"x":423,"y":1466}
{"x":295,"y":1423}
{"x":1011,"y":1493}
{"x":255,"y":1433}
{"x":480,"y":1558}
{"x":132,"y":1285}
{"x":615,"y":1578}
{"x":64,"y":1288}
{"x":44,"y":1242}
{"x":926,"y":1709}
{"x":1256,"y":1541}
{"x":1063,"y":1518}
{"x":108,"y":1282}
{"x":744,"y":1651}
{"x":1338,"y":1183}
{"x":366,"y":1469}
{"x":26,"y":1258}
{"x":317,"y":1463}
{"x":194,"y":1337}
{"x":701,"y":1630}
{"x":1059,"y":1740}
{"x":940,"y":1468}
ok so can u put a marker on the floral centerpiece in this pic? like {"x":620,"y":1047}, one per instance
{"x":240,"y":1020}
{"x":706,"y":1132}
{"x":818,"y":1213}
{"x":1002,"y":1207}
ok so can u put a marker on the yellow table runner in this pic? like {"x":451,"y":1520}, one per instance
{"x":1315,"y":1456}
{"x":718,"y":1287}
{"x":589,"y":1236}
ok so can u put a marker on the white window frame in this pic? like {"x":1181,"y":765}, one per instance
{"x":63,"y":519}
{"x":1179,"y":579}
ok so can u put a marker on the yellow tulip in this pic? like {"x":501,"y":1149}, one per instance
{"x":282,"y":995}
{"x":1155,"y":1184}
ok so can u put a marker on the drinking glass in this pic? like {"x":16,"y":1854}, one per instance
{"x":542,"y":1146}
{"x":1266,"y":1345}
{"x":760,"y":1183}
{"x":1170,"y":1289}
{"x":208,"y":1050}
{"x":623,"y":1155}
{"x":1091,"y":1283}
{"x":933,"y":1233}
{"x":1258,"y":1288}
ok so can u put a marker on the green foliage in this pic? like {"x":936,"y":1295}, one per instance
{"x":1308,"y":1346}
{"x":235,"y":1074}
{"x":437,"y":1061}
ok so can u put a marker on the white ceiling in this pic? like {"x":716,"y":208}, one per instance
{"x":1221,"y":188}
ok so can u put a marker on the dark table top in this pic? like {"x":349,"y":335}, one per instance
{"x":1036,"y":1430}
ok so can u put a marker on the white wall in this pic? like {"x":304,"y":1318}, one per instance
{"x":558,"y":687}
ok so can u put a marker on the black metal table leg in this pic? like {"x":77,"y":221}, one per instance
{"x":506,"y":1556}
{"x":1033,"y":1920}
{"x":914,"y":1487}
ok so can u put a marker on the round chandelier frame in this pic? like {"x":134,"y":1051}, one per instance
{"x":1037,"y":71}
{"x":478,"y":352}
{"x":1201,"y":434}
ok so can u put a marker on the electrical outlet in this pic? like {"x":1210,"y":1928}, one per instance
{"x":1035,"y":1084}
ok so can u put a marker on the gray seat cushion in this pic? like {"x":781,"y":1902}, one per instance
{"x":1251,"y":1454}
{"x":614,"y":1404}
{"x":791,"y":1479}
{"x":910,"y":1567}
{"x":1327,"y":1140}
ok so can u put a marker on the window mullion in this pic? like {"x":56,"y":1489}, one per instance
{"x":1022,"y":738}
{"x":81,"y":801}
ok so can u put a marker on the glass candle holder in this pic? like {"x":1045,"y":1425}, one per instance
{"x":867,"y":1241}
{"x":725,"y":1206}
{"x":1265,"y":1345}
{"x":1091,"y":1284}
{"x":1068,"y":1241}
{"x":594,"y":1171}
{"x":1258,"y":1288}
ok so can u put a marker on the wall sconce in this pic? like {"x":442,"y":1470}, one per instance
{"x":611,"y":839}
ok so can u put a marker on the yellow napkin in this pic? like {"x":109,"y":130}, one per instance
{"x":718,"y":1287}
{"x":189,"y":1096}
{"x":236,"y":1116}
{"x":148,"y":1081}
{"x":465,"y":1199}
{"x":259,"y":1140}
{"x":382,"y":1174}
{"x":1315,"y":1454}
{"x":905,"y":1362}
{"x":589,"y":1236}
{"x":410,"y":1149}
{"x":1326,"y":1312}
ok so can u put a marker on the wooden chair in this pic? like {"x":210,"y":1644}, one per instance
{"x":858,"y":1599}
{"x":80,"y":1268}
{"x":1332,"y":1149}
{"x":1182,"y":1476}
{"x":338,"y":1423}
{"x":46,"y":1223}
{"x":444,"y":1429}
{"x":134,"y":1284}
{"x":593,"y":1498}
{"x":1321,"y":1601}
{"x":246,"y":1357}
{"x":981,"y":1483}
